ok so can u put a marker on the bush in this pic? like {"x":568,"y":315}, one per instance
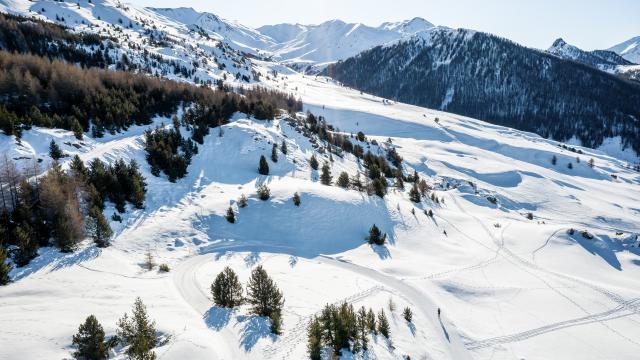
{"x":230,"y":216}
{"x":242,"y":201}
{"x":296,"y":199}
{"x":164,"y":268}
{"x":376,"y":236}
{"x":264,"y":193}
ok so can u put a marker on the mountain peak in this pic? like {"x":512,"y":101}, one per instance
{"x":559,"y":43}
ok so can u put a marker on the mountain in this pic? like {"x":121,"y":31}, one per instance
{"x":132,"y":140}
{"x":239,"y":35}
{"x":601,"y":59}
{"x":470,"y":73}
{"x":629,"y":49}
{"x":335,"y":40}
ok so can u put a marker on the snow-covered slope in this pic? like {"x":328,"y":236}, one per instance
{"x":509,"y":287}
{"x":336,"y":40}
{"x":629,"y":49}
{"x":159,"y":42}
{"x":602,"y":59}
{"x":239,"y":35}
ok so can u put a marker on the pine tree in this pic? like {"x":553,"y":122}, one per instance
{"x":362,"y":327}
{"x":325,"y":177}
{"x":407,"y":314}
{"x":314,"y":342}
{"x":226,"y":289}
{"x":54,"y":151}
{"x":5,"y":267}
{"x":283,"y":147}
{"x":231,"y":216}
{"x":591,"y":163}
{"x":383,"y":324}
{"x":138,"y":333}
{"x":414,"y":194}
{"x":371,"y":321}
{"x":554,"y":160}
{"x":296,"y":199}
{"x":263,"y":295}
{"x":274,"y":153}
{"x":90,"y":340}
{"x":263,"y":168}
{"x":264,"y":193}
{"x":27,"y":246}
{"x":313,"y":162}
{"x":343,"y":180}
{"x":99,"y":228}
{"x":376,"y":236}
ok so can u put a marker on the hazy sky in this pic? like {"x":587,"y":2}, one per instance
{"x":590,"y":24}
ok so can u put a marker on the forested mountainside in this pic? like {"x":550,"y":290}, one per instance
{"x":491,"y":78}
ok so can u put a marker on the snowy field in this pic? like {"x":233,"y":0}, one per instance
{"x":509,"y":287}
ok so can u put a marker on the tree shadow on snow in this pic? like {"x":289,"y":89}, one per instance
{"x":217,"y":318}
{"x":254,"y":328}
{"x":54,"y":259}
{"x":606,"y":247}
{"x":382,"y":251}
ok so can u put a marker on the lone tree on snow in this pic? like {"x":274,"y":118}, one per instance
{"x":264,"y":297}
{"x":226,"y":289}
{"x":376,"y":236}
{"x":89,"y":340}
{"x":138,"y":332}
{"x":263,"y":167}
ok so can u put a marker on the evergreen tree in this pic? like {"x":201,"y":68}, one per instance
{"x":5,"y":267}
{"x":383,"y":324}
{"x":371,"y":322}
{"x":27,"y":246}
{"x":591,"y":163}
{"x":362,"y":327}
{"x":90,"y":341}
{"x":407,"y":314}
{"x":414,"y":194}
{"x":283,"y":147}
{"x":54,"y":151}
{"x":263,"y":167}
{"x":138,"y":333}
{"x":313,"y":162}
{"x":231,"y":216}
{"x":343,"y":180}
{"x":264,"y":193}
{"x":570,"y":166}
{"x":78,"y":169}
{"x":379,"y":186}
{"x":376,"y":236}
{"x":325,"y":177}
{"x":554,"y":160}
{"x":314,"y":342}
{"x":242,"y":201}
{"x":99,"y":228}
{"x":274,"y":153}
{"x":263,"y":295}
{"x":296,"y":199}
{"x":226,"y":289}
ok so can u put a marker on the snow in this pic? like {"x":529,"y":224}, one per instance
{"x":508,"y":287}
{"x":629,"y":49}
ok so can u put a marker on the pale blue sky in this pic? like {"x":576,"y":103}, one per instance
{"x":590,"y":24}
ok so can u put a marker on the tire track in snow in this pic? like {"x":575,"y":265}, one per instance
{"x":621,"y":311}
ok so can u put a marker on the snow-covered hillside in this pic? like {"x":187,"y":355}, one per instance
{"x":629,"y":49}
{"x":198,"y":47}
{"x":336,"y":40}
{"x":509,"y":286}
{"x":532,"y":251}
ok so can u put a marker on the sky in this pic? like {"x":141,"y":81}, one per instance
{"x":589,"y":24}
